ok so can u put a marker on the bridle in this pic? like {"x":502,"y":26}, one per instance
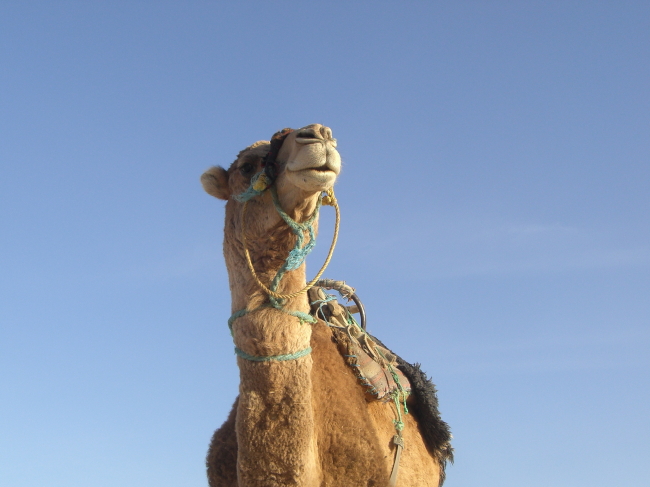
{"x":269,"y":163}
{"x":265,"y":180}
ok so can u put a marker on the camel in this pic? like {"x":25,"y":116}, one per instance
{"x":301,"y":418}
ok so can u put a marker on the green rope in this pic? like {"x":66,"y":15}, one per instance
{"x":234,"y":316}
{"x":400,"y":395}
{"x":399,"y":424}
{"x":303,"y":317}
{"x":275,"y":358}
{"x":259,"y":184}
{"x":299,"y":253}
{"x":323,"y":302}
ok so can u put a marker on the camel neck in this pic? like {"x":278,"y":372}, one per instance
{"x":247,"y":294}
{"x":275,"y":247}
{"x":259,"y":326}
{"x":269,"y":332}
{"x":276,"y":254}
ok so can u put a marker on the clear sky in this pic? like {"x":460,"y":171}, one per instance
{"x":495,"y":222}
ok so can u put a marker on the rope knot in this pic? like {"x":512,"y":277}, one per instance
{"x":259,"y":183}
{"x":329,"y":199}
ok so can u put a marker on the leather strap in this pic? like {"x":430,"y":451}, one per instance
{"x":399,"y":444}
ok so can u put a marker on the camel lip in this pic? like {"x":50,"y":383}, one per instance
{"x":307,"y":140}
{"x":319,"y":169}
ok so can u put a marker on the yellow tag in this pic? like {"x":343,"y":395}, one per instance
{"x":261,"y":183}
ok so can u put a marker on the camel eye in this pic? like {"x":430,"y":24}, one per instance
{"x":246,"y":169}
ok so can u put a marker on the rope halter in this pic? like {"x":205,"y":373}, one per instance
{"x":260,"y":182}
{"x":264,"y":180}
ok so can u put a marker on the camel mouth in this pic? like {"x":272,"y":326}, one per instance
{"x":313,"y":179}
{"x":321,"y":169}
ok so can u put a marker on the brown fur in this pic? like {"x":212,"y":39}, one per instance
{"x":222,"y":454}
{"x":303,"y":422}
{"x":351,"y":452}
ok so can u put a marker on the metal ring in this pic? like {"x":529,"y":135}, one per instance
{"x":362,"y":310}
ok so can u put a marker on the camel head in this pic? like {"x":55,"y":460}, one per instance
{"x":307,"y":164}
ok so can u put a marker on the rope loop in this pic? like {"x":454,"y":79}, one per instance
{"x":273,"y":358}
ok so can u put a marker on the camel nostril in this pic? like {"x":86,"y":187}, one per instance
{"x":308,"y":134}
{"x":326,"y":132}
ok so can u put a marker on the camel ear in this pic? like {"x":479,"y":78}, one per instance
{"x":215,"y":182}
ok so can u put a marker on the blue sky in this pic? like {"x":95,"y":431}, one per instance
{"x":494,"y":196}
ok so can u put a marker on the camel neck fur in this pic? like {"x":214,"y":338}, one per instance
{"x":275,"y":403}
{"x":269,"y":241}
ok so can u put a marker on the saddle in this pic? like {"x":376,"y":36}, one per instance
{"x":375,"y":366}
{"x":385,"y":375}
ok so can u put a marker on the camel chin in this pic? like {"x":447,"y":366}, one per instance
{"x":312,"y":180}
